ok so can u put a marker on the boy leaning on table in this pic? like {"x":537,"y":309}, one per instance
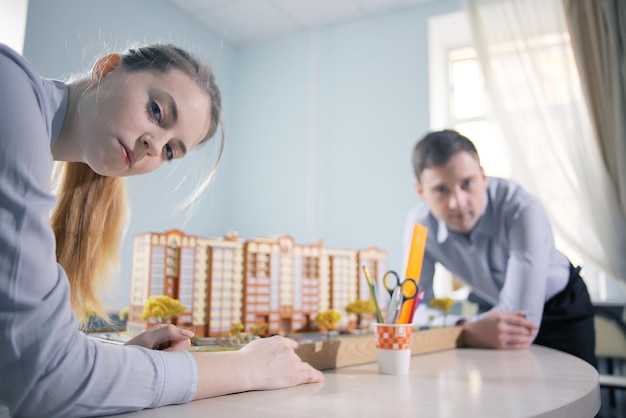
{"x":496,"y":237}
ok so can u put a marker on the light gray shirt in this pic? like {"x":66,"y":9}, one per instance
{"x":509,"y":259}
{"x":48,"y":368}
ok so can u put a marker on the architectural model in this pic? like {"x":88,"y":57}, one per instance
{"x":226,"y":280}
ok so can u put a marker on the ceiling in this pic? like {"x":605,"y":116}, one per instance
{"x":246,"y":21}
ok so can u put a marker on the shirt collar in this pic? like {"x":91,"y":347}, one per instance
{"x":442,"y":232}
{"x":58,"y":96}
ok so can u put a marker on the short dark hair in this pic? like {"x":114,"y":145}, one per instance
{"x":438,"y":147}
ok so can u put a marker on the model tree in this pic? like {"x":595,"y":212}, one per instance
{"x":328,"y":319}
{"x":235,"y":333}
{"x":236,"y":329}
{"x":161,"y":308}
{"x":359,"y":308}
{"x":259,"y":330}
{"x":443,"y":305}
{"x":123,"y":314}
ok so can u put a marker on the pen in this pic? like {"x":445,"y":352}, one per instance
{"x":379,"y":315}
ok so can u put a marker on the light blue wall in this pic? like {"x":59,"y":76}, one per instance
{"x":319,"y":126}
{"x":323,"y":131}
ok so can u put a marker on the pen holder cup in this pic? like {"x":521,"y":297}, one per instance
{"x":393,"y":348}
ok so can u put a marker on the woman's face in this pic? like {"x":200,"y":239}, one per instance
{"x":135,"y":121}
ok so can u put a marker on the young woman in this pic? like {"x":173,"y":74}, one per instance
{"x":132,"y":113}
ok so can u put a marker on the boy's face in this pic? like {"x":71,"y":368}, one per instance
{"x":455,"y":192}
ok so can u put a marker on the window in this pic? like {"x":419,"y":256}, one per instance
{"x":458,"y":101}
{"x":457,"y":97}
{"x":467,"y":106}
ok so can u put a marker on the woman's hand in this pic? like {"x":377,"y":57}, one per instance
{"x":263,"y":364}
{"x":500,"y":329}
{"x":272,"y":363}
{"x":165,"y":337}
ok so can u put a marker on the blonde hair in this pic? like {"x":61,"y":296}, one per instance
{"x":89,"y":221}
{"x":91,"y":214}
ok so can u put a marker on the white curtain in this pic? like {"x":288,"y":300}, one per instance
{"x":525,"y":53}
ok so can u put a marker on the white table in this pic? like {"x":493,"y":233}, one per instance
{"x":535,"y":382}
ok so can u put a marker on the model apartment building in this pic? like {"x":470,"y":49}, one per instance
{"x":226,"y":280}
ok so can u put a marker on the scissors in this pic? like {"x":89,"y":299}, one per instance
{"x":401,"y":294}
{"x":391,"y":281}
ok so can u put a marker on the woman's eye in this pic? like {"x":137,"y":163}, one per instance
{"x":169,"y":152}
{"x":156,"y":111}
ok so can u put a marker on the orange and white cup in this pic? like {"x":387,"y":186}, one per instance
{"x":393,"y":347}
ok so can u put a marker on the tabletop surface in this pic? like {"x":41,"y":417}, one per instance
{"x":534,"y":382}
